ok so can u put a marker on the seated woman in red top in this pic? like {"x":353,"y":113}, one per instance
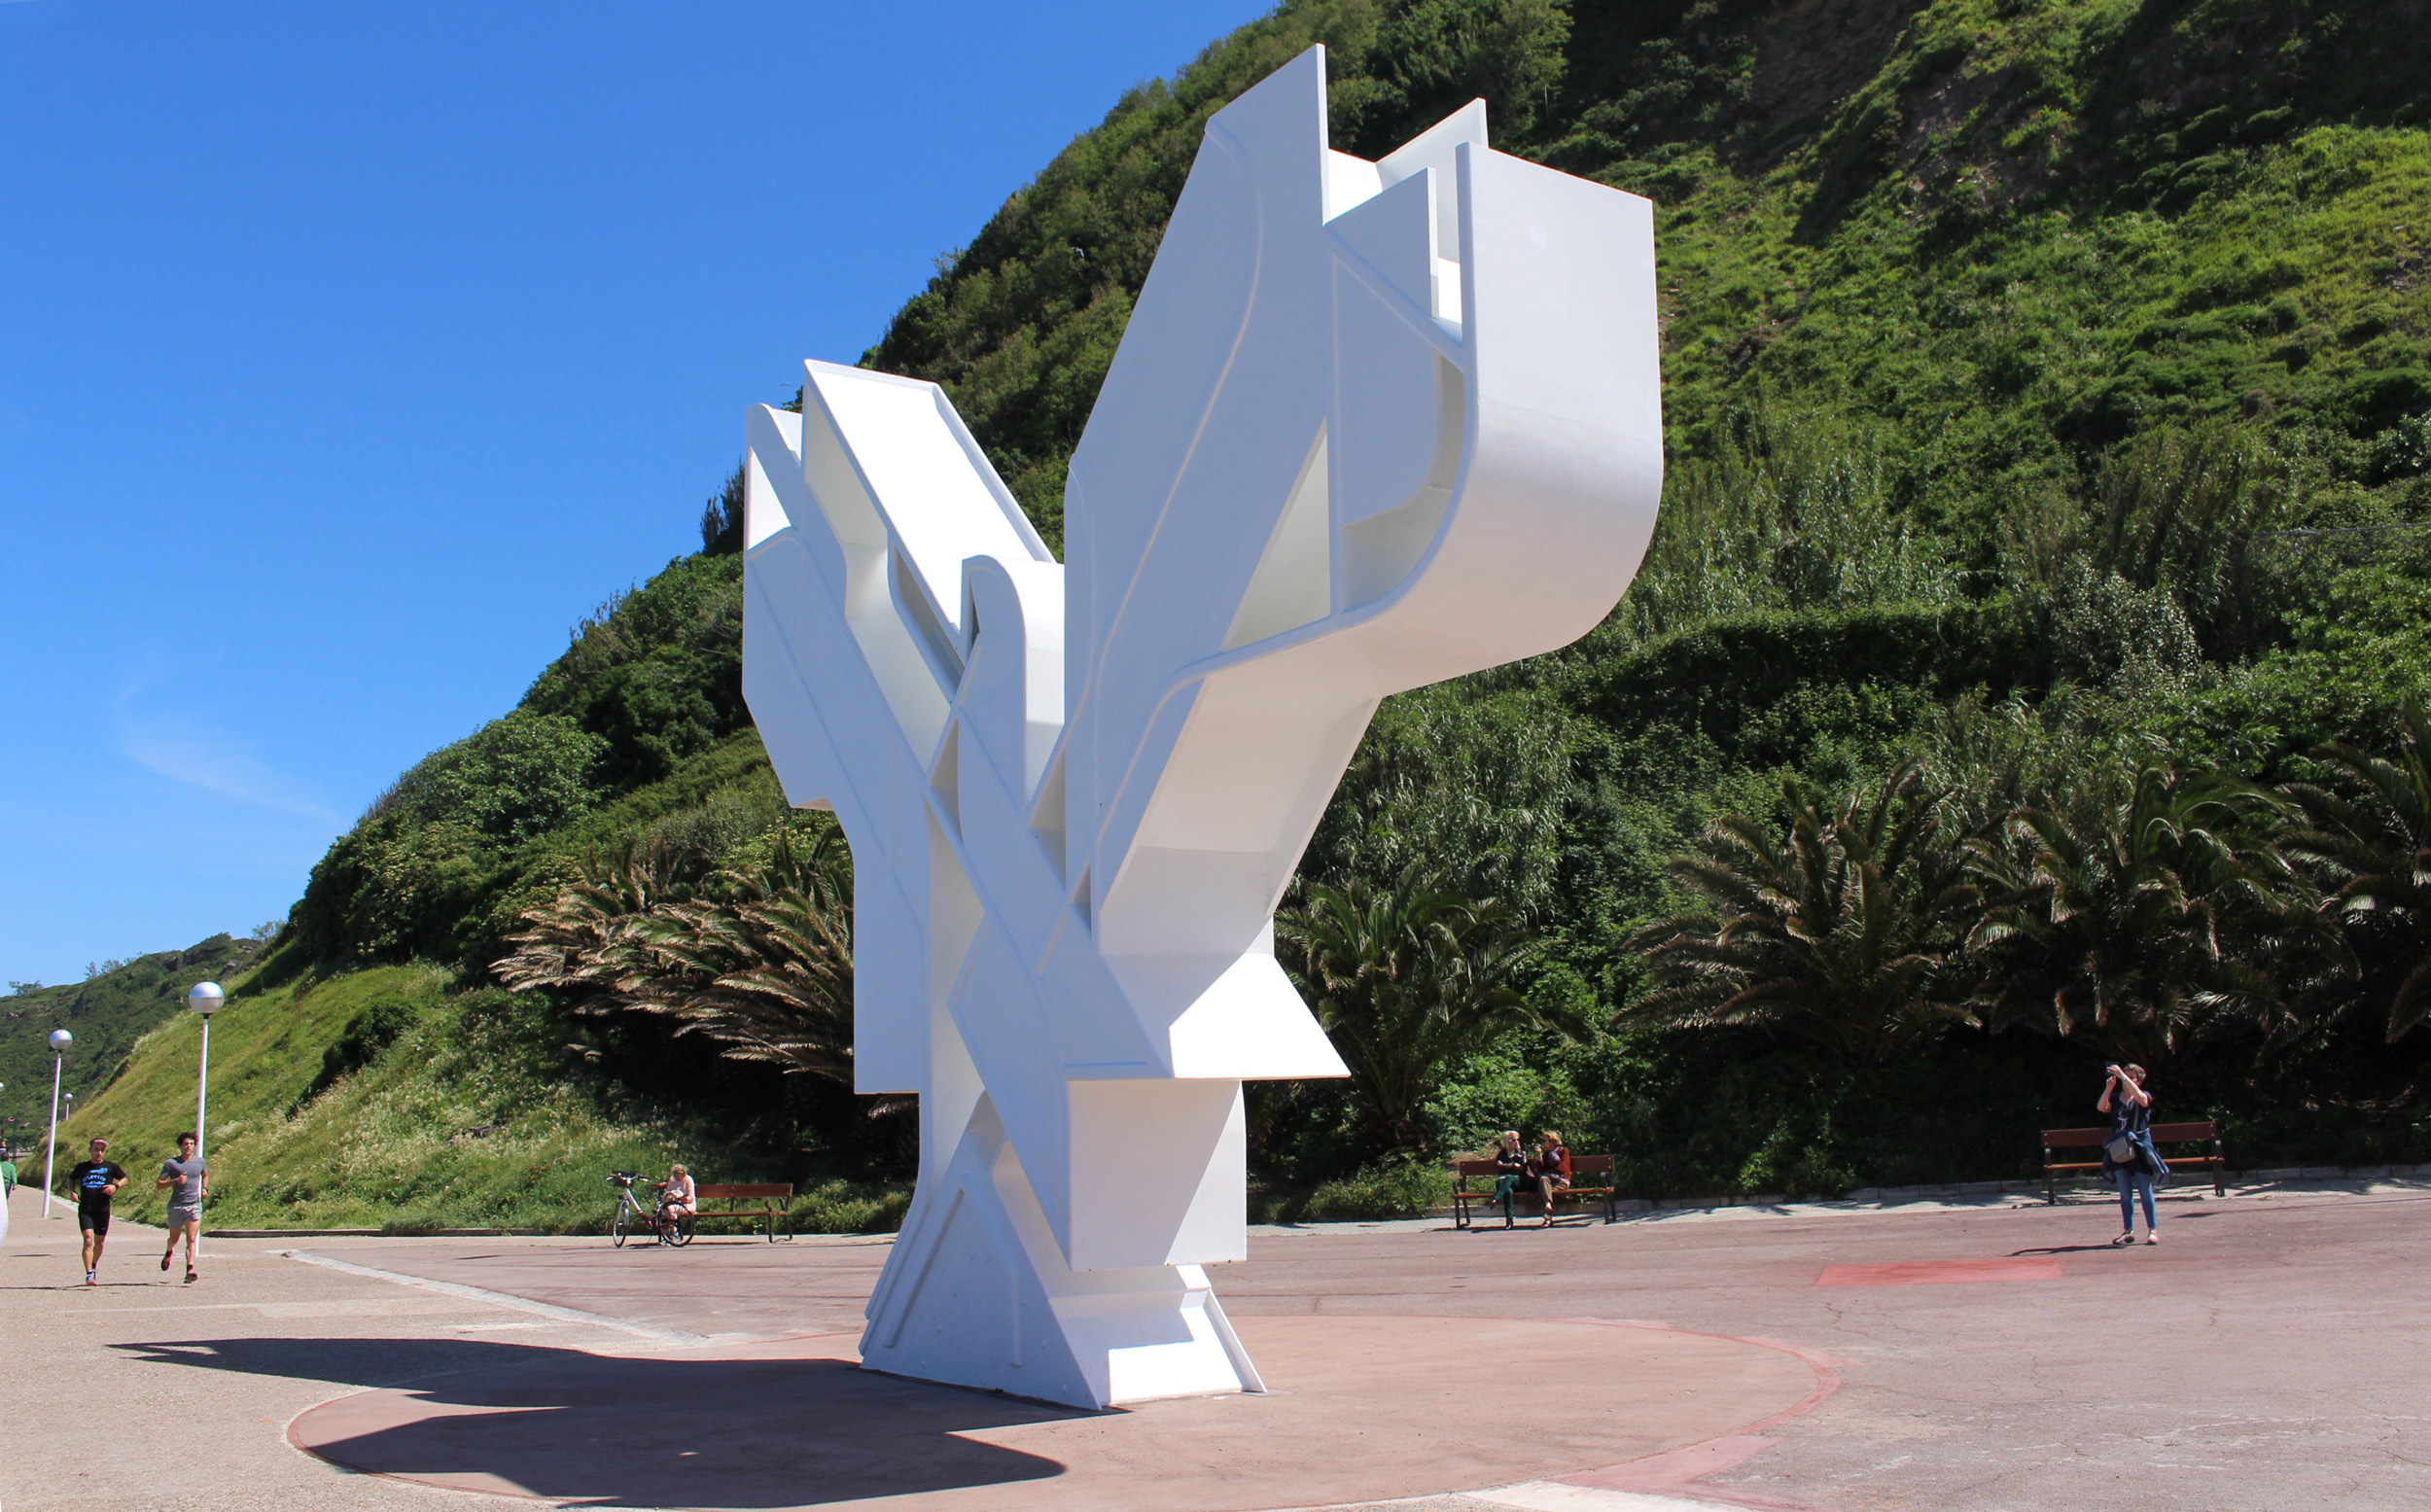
{"x":1551,"y":1167}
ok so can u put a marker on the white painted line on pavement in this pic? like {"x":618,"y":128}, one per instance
{"x":1555,"y":1497}
{"x":452,"y":1288}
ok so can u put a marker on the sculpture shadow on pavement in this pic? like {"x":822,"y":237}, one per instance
{"x":574,"y":1426}
{"x":1363,"y":1416}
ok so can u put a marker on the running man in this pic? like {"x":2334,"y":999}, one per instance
{"x":188,"y":1182}
{"x":95,"y":1181}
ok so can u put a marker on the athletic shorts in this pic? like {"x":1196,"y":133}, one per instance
{"x":179,"y":1217}
{"x":98,"y":1222}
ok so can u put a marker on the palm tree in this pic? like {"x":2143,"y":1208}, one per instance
{"x":767,"y":965}
{"x":758,"y":959}
{"x":2142,"y":908}
{"x":2375,"y":846}
{"x":596,"y":942}
{"x":1841,"y":931}
{"x":1407,"y":978}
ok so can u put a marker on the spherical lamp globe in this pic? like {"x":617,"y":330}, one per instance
{"x":60,"y":1040}
{"x":205,"y":999}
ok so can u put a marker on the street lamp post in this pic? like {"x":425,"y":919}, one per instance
{"x":205,"y":999}
{"x":60,"y":1039}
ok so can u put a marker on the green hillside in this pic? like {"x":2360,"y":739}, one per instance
{"x":108,"y":1014}
{"x":2048,"y":393}
{"x":379,"y":1098}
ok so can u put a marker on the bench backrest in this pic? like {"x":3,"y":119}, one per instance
{"x":731,"y":1192}
{"x":2163,"y":1134}
{"x":1580,"y":1165}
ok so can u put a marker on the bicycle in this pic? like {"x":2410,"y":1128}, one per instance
{"x":630,"y":1218}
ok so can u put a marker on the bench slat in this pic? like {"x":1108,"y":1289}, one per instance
{"x":2167,"y":1132}
{"x":2162,"y":1133}
{"x":2070,"y":1139}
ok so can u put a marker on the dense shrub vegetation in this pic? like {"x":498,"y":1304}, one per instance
{"x":2020,"y":672}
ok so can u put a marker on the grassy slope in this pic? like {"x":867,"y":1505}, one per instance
{"x":107,"y":1014}
{"x":2001,"y":232}
{"x":474,"y":1115}
{"x":1973,"y":250}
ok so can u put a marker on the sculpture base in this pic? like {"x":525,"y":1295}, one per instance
{"x":976,"y":1293}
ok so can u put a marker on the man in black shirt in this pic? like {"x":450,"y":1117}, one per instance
{"x":95,"y":1181}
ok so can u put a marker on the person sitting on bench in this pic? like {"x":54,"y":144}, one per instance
{"x":1551,"y":1167}
{"x":1510,"y":1168}
{"x":677,"y":1197}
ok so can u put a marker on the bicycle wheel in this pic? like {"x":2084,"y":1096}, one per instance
{"x":683,"y":1231}
{"x":617,"y":1229}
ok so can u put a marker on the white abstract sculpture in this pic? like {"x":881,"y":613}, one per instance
{"x":1372,"y":425}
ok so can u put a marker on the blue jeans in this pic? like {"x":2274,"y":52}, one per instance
{"x":2133,"y":1181}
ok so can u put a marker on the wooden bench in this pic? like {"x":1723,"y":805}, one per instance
{"x":1581,"y":1168}
{"x":2057,"y":1140}
{"x":770,"y":1201}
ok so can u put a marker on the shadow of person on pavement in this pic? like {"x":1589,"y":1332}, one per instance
{"x":635,"y":1431}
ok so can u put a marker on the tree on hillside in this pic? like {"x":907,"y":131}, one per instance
{"x":757,"y":958}
{"x":2175,"y":509}
{"x":596,"y":943}
{"x":2376,"y":847}
{"x":721,"y":518}
{"x":1407,"y":978}
{"x":1839,"y":931}
{"x":765,"y":967}
{"x":2142,"y":908}
{"x":1791,"y":512}
{"x":1477,"y":788}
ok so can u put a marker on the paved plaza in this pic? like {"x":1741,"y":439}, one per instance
{"x":1972,"y":1356}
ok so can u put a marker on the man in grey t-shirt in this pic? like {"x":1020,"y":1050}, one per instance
{"x":188,"y":1182}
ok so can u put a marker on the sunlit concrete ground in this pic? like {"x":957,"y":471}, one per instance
{"x":1977,"y":1355}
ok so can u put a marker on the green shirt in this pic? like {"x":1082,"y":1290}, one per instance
{"x":7,"y":1176}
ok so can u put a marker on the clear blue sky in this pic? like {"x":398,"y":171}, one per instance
{"x":350,"y":353}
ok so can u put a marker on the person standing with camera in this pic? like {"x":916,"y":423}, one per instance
{"x":2128,"y":1156}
